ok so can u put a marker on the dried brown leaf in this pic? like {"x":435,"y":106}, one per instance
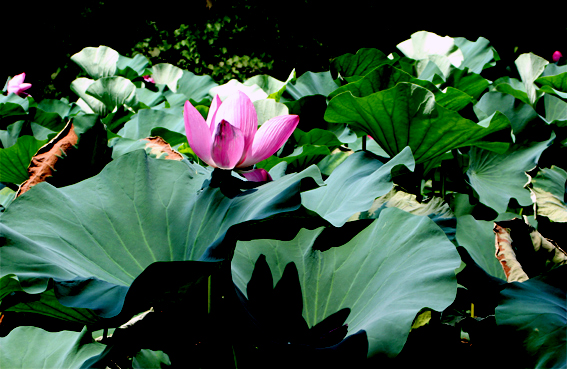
{"x":159,"y":148}
{"x":43,"y":163}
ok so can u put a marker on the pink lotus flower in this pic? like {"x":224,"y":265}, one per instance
{"x":17,"y":86}
{"x":230,"y":137}
{"x":556,"y":56}
{"x":148,"y":78}
{"x":257,"y":175}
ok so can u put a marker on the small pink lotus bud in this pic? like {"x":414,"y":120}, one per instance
{"x":148,"y":79}
{"x":556,"y":56}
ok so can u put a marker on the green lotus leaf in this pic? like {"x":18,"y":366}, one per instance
{"x":478,"y":55}
{"x":131,"y":67}
{"x":407,"y":115}
{"x":464,"y":80}
{"x":6,"y":197}
{"x":254,"y":92}
{"x":104,"y":231}
{"x":353,"y":186}
{"x":499,"y":177}
{"x":13,"y":105}
{"x":45,"y":303}
{"x":88,"y":103}
{"x":370,"y":275}
{"x":150,"y":98}
{"x":548,"y":186}
{"x":519,"y":114}
{"x":536,"y":311}
{"x":381,"y":78}
{"x":31,"y":347}
{"x":142,"y":124}
{"x":148,"y":359}
{"x":558,"y":82}
{"x":316,"y":137}
{"x":97,"y":62}
{"x":429,"y":47}
{"x":14,"y":160}
{"x":477,"y":236}
{"x":268,"y":109}
{"x":271,"y":86}
{"x":301,"y":158}
{"x":530,"y":67}
{"x":513,"y":87}
{"x":113,"y":92}
{"x":195,"y":87}
{"x":360,"y":64}
{"x":310,"y":83}
{"x":555,"y":110}
{"x":434,"y":206}
{"x":167,"y":74}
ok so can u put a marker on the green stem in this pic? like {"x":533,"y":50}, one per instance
{"x":209,"y":295}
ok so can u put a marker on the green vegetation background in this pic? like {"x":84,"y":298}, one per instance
{"x":242,"y":38}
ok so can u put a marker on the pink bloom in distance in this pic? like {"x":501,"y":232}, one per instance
{"x":230,"y":137}
{"x":17,"y":86}
{"x":556,"y":56}
{"x":148,"y":78}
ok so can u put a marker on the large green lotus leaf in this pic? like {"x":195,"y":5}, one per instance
{"x":407,"y":115}
{"x":273,"y":87}
{"x":386,"y":76}
{"x":548,"y":186}
{"x":530,"y":67}
{"x":310,"y":83}
{"x":113,"y":92}
{"x":195,"y":87}
{"x":45,"y":303}
{"x":254,"y":92}
{"x":499,"y":177}
{"x":385,"y":275}
{"x":477,"y":236}
{"x":519,"y":114}
{"x":13,"y":105}
{"x":131,"y":67}
{"x":270,"y":85}
{"x":316,"y":137}
{"x":381,"y":78}
{"x":97,"y":62}
{"x":362,"y":63}
{"x":88,"y":103}
{"x":429,"y":47}
{"x":268,"y":109}
{"x":14,"y":160}
{"x":148,"y":359}
{"x":536,"y":310}
{"x":138,"y":210}
{"x":513,"y":87}
{"x":141,"y":125}
{"x":299,"y":159}
{"x":31,"y":347}
{"x":558,"y":82}
{"x":466,"y":81}
{"x":555,"y":110}
{"x":477,"y":55}
{"x":353,"y":186}
{"x":553,"y":69}
{"x":6,"y":197}
{"x":150,"y":98}
{"x":62,"y":108}
{"x":167,"y":74}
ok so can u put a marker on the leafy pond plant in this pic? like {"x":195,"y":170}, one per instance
{"x":397,"y":210}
